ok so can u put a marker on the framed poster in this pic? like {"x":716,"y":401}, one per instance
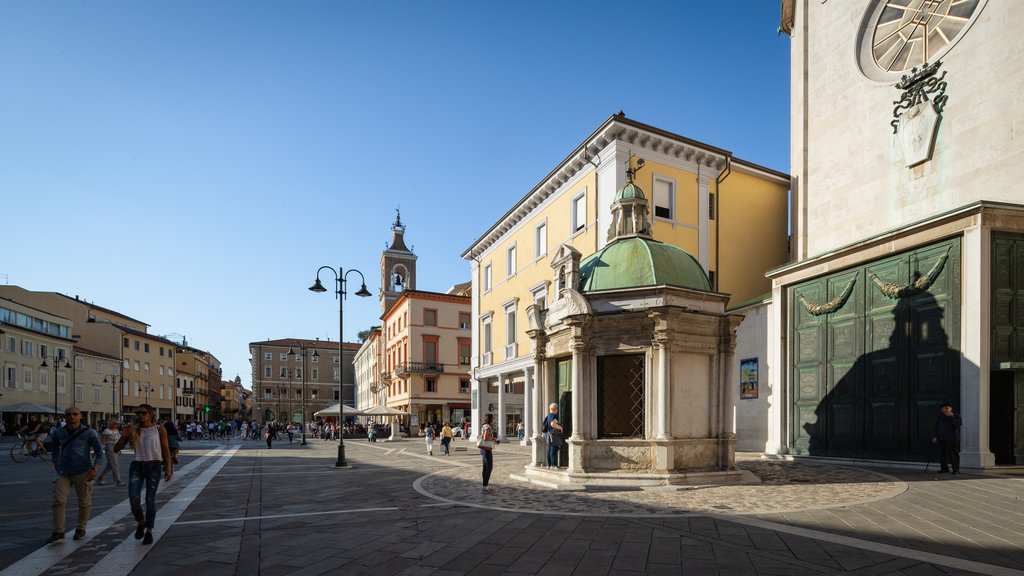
{"x":748,"y":379}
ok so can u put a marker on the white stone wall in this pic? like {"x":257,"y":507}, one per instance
{"x":851,"y":181}
{"x":752,"y":415}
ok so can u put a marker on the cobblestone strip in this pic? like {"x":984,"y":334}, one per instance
{"x":783,"y":487}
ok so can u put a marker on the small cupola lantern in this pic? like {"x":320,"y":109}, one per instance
{"x":629,"y":209}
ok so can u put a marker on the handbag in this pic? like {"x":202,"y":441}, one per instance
{"x":554,"y":438}
{"x":485,"y":444}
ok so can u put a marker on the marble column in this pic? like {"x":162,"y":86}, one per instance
{"x":528,"y":414}
{"x":661,"y":346}
{"x":499,"y":419}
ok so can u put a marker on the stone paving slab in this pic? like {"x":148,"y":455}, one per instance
{"x":398,"y":511}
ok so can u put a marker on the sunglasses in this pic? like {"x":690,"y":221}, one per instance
{"x":141,"y":413}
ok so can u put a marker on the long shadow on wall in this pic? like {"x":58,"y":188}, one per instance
{"x":883,"y":403}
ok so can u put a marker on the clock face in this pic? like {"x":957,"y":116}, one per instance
{"x":903,"y":34}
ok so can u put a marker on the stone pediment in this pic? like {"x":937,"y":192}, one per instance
{"x":572,"y":303}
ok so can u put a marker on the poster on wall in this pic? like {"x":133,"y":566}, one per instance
{"x":748,"y":379}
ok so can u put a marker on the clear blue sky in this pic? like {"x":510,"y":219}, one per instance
{"x":191,"y":164}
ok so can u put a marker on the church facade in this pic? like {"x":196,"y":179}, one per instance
{"x":906,"y":283}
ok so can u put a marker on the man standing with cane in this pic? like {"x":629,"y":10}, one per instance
{"x":947,"y":435}
{"x":75,"y":467}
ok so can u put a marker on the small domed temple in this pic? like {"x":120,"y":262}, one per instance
{"x":640,"y":349}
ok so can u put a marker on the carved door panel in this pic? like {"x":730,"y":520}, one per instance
{"x":809,"y":431}
{"x":874,"y":353}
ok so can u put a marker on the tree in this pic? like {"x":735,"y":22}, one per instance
{"x":364,"y":334}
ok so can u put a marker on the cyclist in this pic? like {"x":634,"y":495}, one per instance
{"x":33,"y":432}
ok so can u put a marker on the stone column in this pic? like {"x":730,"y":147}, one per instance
{"x":577,"y":390}
{"x":527,"y":415}
{"x":479,"y":408}
{"x":499,"y":419}
{"x":975,"y":342}
{"x":533,"y":428}
{"x":663,"y":387}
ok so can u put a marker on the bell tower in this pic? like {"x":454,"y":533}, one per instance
{"x":397,"y":267}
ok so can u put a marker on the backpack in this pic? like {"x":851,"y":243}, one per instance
{"x":545,"y":428}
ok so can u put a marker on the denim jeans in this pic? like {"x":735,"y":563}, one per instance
{"x":488,"y":465}
{"x":552,"y":456}
{"x":139,"y":472}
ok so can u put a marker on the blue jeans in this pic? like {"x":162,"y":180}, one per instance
{"x":488,"y":465}
{"x":552,"y":456}
{"x":445,"y":441}
{"x":139,"y":472}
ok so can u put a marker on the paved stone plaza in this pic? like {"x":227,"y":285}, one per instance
{"x":238,"y":508}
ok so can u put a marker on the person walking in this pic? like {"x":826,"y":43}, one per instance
{"x":486,"y":445}
{"x":173,"y":440}
{"x":947,"y":436}
{"x":429,"y":433}
{"x":71,"y":446}
{"x":270,"y":435}
{"x":108,"y":439}
{"x":446,"y":438}
{"x":149,"y":440}
{"x":553,"y":434}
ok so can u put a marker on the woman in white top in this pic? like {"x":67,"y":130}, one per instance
{"x":109,"y":438}
{"x":149,"y":440}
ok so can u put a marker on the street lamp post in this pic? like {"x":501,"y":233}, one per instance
{"x":56,"y":358}
{"x":340,"y":279}
{"x":302,"y":353}
{"x":147,"y":387}
{"x":114,"y":393}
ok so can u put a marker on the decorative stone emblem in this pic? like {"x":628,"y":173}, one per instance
{"x":918,"y":111}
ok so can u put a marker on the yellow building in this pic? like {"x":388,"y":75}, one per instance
{"x":700,"y":198}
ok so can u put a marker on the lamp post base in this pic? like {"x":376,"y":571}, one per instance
{"x":303,"y":436}
{"x":341,"y":463}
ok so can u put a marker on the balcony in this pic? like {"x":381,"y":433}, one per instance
{"x":404,"y":369}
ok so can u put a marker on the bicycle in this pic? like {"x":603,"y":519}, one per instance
{"x":26,"y":449}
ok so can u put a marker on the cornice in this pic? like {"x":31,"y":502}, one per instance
{"x":615,"y":129}
{"x":963,"y":214}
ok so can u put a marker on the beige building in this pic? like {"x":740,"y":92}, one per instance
{"x":191,"y":384}
{"x":97,"y":385}
{"x":147,"y":360}
{"x":292,"y":375}
{"x":148,"y":368}
{"x":369,"y":375}
{"x":30,"y":338}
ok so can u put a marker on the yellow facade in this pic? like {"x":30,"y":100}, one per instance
{"x":706,"y":199}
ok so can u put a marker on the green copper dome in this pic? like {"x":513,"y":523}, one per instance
{"x":630,"y":190}
{"x":634,"y":262}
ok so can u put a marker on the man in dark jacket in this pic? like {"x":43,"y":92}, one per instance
{"x":947,"y":436}
{"x":73,"y":448}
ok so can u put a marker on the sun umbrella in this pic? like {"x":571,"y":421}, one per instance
{"x":381,"y":410}
{"x":333,"y":411}
{"x":26,"y":408}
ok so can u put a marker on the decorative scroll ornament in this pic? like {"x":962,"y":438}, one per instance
{"x":830,"y":306}
{"x":918,"y":111}
{"x":918,"y":286}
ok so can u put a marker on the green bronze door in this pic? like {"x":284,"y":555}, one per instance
{"x":563,"y":392}
{"x":1006,"y":382}
{"x":874,"y":353}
